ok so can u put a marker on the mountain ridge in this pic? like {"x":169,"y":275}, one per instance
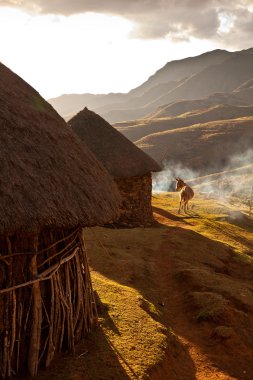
{"x":173,"y":71}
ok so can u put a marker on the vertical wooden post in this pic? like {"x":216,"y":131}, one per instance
{"x":34,"y":347}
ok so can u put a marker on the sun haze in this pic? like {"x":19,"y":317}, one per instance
{"x":71,"y":47}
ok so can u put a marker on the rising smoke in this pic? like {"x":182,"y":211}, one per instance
{"x":233,"y":180}
{"x":165,"y":180}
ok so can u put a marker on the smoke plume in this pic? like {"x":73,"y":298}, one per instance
{"x":234,"y":181}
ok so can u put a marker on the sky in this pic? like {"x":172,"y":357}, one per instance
{"x":102,"y":46}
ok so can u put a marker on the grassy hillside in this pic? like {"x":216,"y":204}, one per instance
{"x":183,"y":106}
{"x":204,"y":147}
{"x":174,"y":300}
{"x":159,"y":124}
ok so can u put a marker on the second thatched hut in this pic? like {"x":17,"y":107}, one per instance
{"x":130,"y":167}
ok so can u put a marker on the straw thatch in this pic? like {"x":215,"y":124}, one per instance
{"x":50,"y":186}
{"x":129,"y":166}
{"x":119,"y":155}
{"x":47,"y":177}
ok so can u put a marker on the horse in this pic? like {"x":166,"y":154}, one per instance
{"x":186,"y":194}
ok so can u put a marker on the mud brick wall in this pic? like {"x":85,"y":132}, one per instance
{"x":136,"y":207}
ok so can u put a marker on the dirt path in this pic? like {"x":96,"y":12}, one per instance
{"x":210,"y":358}
{"x":176,"y":318}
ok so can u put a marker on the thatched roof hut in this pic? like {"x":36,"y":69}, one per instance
{"x":50,"y":186}
{"x":129,"y":166}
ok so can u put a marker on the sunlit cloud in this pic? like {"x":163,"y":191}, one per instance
{"x":152,"y":18}
{"x":62,"y":46}
{"x":226,"y":22}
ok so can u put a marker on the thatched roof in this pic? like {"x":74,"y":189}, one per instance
{"x":47,"y":176}
{"x":119,"y":155}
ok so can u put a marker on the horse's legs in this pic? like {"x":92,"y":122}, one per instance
{"x":185,"y":206}
{"x":179,"y":206}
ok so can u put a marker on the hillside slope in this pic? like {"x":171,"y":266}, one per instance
{"x":206,"y":147}
{"x":183,"y":68}
{"x":219,"y":98}
{"x":222,"y":77}
{"x":174,"y":301}
{"x":154,"y":125}
{"x":132,"y":102}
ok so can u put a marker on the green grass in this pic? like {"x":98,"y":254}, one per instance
{"x":214,"y":220}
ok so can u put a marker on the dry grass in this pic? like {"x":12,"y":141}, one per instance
{"x":169,"y":298}
{"x":129,"y":341}
{"x":208,"y":305}
{"x":137,"y":339}
{"x":137,"y":129}
{"x":202,"y":144}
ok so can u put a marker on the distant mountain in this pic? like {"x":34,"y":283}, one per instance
{"x":206,"y":147}
{"x":172,"y":75}
{"x":222,"y":77}
{"x":132,"y":101}
{"x":197,"y":111}
{"x":183,"y":68}
{"x":242,"y":96}
{"x":70,"y":104}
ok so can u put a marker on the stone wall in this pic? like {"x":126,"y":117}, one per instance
{"x":136,"y":207}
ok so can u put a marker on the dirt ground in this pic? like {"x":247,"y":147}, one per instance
{"x":175,"y":300}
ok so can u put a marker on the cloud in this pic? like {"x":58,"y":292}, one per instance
{"x":178,"y":20}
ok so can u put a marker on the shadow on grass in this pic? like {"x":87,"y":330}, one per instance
{"x":95,"y":359}
{"x":166,"y":214}
{"x":103,"y":312}
{"x":239,"y":219}
{"x":152,"y":272}
{"x":176,"y":218}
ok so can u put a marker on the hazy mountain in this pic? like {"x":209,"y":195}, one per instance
{"x":160,"y":83}
{"x":245,"y":92}
{"x":223,"y":77}
{"x":131,"y":101}
{"x":69,"y":104}
{"x":246,"y":85}
{"x":239,"y":97}
{"x":197,"y":111}
{"x":183,"y":68}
